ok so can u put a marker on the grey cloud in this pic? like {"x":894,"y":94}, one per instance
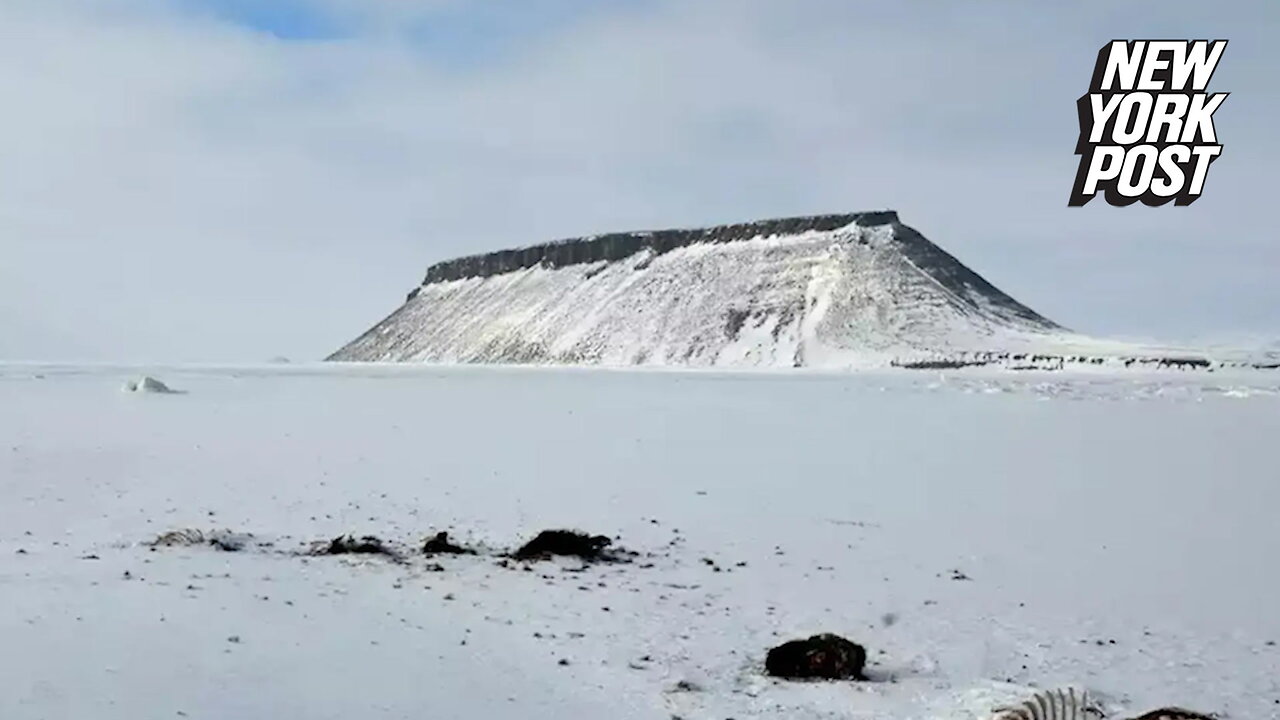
{"x":174,"y":188}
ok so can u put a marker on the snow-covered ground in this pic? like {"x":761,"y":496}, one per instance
{"x":1113,"y":531}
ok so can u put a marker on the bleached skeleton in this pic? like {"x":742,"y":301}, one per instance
{"x":1049,"y":705}
{"x":1070,"y":704}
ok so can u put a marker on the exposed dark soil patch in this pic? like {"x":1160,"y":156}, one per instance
{"x":439,"y":545}
{"x":820,"y":657}
{"x":571,"y":543}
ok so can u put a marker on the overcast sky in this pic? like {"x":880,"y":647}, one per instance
{"x":232,"y":180}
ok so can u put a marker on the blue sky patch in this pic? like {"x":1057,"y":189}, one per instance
{"x":460,"y":35}
{"x":286,"y":19}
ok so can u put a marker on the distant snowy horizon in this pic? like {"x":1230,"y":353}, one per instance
{"x":831,"y":291}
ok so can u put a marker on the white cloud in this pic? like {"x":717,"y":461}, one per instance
{"x":174,"y":187}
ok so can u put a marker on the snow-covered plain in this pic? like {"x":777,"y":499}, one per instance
{"x":1117,"y":532}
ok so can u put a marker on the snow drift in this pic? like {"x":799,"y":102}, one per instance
{"x":822,"y":291}
{"x":148,"y":384}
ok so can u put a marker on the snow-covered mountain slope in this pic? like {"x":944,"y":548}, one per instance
{"x":979,"y":532}
{"x":825,"y":291}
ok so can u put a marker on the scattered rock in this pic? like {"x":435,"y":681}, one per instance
{"x":825,"y":656}
{"x":228,"y":543}
{"x":1174,"y":713}
{"x":349,"y":545}
{"x":686,"y":686}
{"x":572,"y":543}
{"x":439,"y":544}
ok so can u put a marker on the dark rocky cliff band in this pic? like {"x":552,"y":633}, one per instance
{"x":931,"y":259}
{"x":616,"y":246}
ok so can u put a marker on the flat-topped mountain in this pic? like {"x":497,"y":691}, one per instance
{"x":846,"y":290}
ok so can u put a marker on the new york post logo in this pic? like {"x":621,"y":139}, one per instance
{"x":1146,"y":124}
